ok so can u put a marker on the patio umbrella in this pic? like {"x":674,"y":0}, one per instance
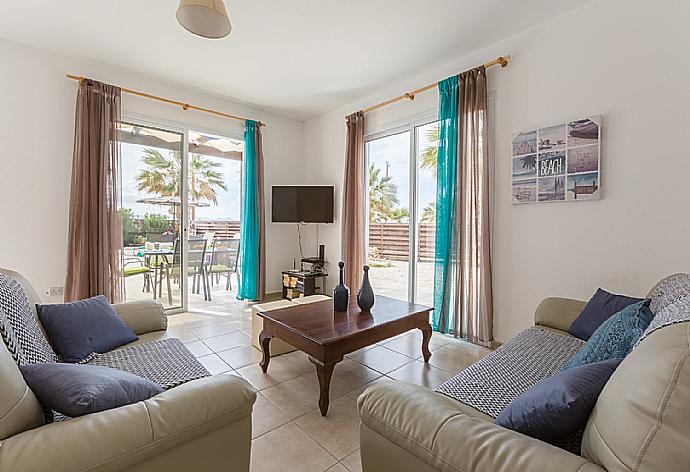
{"x":170,"y":201}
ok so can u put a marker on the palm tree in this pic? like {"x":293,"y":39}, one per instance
{"x":398,"y":214}
{"x":162,"y":177}
{"x":429,"y":213}
{"x":383,"y":194}
{"x":429,"y":156}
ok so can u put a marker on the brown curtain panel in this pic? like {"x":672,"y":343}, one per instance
{"x":261,"y":210}
{"x":473,"y":297}
{"x":94,"y":243}
{"x":353,"y":224}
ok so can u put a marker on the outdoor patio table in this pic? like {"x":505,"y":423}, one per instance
{"x":160,"y":257}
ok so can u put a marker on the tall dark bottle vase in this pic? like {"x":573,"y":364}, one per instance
{"x":341,"y":294}
{"x":365,"y":296}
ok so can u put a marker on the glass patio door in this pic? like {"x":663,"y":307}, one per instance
{"x":401,"y":191}
{"x":154,"y":217}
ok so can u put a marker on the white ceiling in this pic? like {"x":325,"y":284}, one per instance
{"x":299,"y":58}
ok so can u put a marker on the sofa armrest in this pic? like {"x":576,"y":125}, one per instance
{"x":432,"y":428}
{"x":119,"y":438}
{"x":558,"y":313}
{"x":143,"y":316}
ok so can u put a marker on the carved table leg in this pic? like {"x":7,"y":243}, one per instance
{"x":265,"y":341}
{"x":426,"y":336}
{"x":324,"y":372}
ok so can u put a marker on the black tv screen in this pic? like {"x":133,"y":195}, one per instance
{"x":308,"y":204}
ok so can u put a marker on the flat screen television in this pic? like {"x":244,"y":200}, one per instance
{"x":308,"y":204}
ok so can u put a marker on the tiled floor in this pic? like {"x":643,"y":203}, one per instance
{"x":286,"y":410}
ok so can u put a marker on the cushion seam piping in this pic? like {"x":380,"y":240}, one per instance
{"x":16,"y":405}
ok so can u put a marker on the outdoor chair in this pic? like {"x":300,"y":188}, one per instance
{"x":196,"y":255}
{"x":134,"y":266}
{"x":224,"y":254}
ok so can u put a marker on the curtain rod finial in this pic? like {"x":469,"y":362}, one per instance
{"x":503,"y":60}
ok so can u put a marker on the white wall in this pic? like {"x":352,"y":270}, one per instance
{"x":37,"y":128}
{"x":626,"y":60}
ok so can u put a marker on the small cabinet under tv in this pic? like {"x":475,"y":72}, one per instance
{"x":297,"y":284}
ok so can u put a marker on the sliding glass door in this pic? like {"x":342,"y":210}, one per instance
{"x":152,"y":213}
{"x":180,"y":211}
{"x":401,"y":190}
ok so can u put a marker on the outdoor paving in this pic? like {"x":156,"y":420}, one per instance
{"x":392,"y":281}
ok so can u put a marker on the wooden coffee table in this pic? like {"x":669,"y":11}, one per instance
{"x":326,"y":336}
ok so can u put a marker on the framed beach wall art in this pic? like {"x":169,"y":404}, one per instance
{"x":557,"y":163}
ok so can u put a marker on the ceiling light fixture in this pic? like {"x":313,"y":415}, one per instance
{"x":206,"y":18}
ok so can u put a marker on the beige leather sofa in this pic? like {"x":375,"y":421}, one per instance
{"x":641,"y":421}
{"x":203,"y":425}
{"x":278,"y":346}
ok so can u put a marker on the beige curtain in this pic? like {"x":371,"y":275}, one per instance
{"x":95,"y":236}
{"x":353,"y":224}
{"x":473,"y":298}
{"x":260,"y":206}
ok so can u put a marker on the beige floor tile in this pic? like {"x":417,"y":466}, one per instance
{"x":228,"y":341}
{"x":381,"y":359}
{"x":337,"y":432}
{"x":337,"y":468}
{"x":353,"y":462}
{"x":184,"y":335}
{"x":215,"y":330}
{"x":407,"y":345}
{"x":279,"y":370}
{"x":289,"y":448}
{"x":348,"y":375}
{"x":358,"y":391}
{"x":300,"y":359}
{"x":459,"y":344}
{"x":437,"y":339}
{"x":198,"y":348}
{"x":241,"y":356}
{"x":214,"y":364}
{"x":296,"y":396}
{"x":453,"y":359}
{"x":422,"y":374}
{"x":266,"y":416}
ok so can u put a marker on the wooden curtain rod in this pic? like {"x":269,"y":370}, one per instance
{"x":185,"y":106}
{"x":502,"y":61}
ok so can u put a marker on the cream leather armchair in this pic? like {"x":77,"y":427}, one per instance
{"x":202,"y":425}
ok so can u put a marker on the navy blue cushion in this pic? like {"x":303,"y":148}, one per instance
{"x":81,"y":328}
{"x":599,"y":308}
{"x":80,"y":389}
{"x":560,"y":405}
{"x":615,"y":337}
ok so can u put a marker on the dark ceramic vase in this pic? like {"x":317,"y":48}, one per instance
{"x":341,"y":294}
{"x":365,"y":296}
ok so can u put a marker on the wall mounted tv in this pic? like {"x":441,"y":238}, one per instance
{"x":307,"y":204}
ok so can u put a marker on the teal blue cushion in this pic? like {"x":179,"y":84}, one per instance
{"x":615,"y":337}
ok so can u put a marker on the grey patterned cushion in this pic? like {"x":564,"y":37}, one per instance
{"x":20,"y":330}
{"x":166,"y":362}
{"x":669,"y":291}
{"x":670,"y":303}
{"x":490,"y":384}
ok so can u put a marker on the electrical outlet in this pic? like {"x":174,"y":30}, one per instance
{"x":55,"y":291}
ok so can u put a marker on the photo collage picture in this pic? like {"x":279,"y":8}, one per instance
{"x":558,"y":163}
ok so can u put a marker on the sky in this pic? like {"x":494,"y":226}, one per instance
{"x":395,"y":150}
{"x":228,"y":207}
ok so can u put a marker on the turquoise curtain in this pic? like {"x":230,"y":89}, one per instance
{"x":445,"y":199}
{"x":249,"y":226}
